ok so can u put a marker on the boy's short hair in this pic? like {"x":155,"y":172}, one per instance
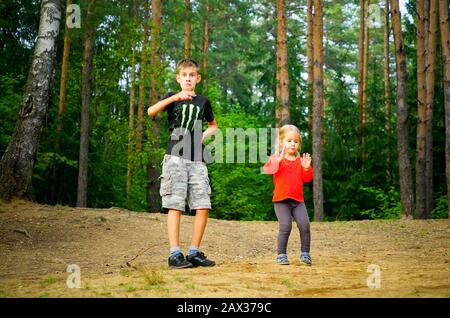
{"x":187,"y":63}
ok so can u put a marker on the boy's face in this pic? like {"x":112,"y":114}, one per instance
{"x":188,"y":78}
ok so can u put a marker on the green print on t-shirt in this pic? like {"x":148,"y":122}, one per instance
{"x":186,"y":119}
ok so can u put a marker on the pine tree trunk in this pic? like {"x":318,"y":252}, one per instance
{"x":361,"y":57}
{"x":317,"y":110}
{"x":86,"y":90}
{"x":62,"y":102}
{"x":387,"y":88}
{"x":406,"y":188}
{"x":430,"y":78}
{"x":142,"y":80}
{"x":187,"y":30}
{"x":131,"y":121}
{"x":63,"y":81}
{"x":445,"y":43}
{"x":153,"y":170}
{"x":310,"y":60}
{"x":16,"y":165}
{"x":205,"y":46}
{"x":282,"y":109}
{"x":421,"y":112}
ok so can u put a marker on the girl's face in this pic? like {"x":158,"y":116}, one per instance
{"x":291,"y":143}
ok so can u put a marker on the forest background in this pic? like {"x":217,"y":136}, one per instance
{"x":134,"y":48}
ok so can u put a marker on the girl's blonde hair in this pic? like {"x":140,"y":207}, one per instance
{"x":284,"y":131}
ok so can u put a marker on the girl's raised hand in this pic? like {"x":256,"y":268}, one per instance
{"x":306,"y":160}
{"x":281,"y":155}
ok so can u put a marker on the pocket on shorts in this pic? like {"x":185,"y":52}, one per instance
{"x":166,"y":185}
{"x":207,"y":181}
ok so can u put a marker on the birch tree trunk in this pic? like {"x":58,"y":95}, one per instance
{"x":16,"y":165}
{"x":406,"y":188}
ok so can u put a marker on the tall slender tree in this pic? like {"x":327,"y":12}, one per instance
{"x":131,"y":132}
{"x":142,"y":79}
{"x":406,"y":188}
{"x":282,"y":109}
{"x":63,"y":80}
{"x":205,"y":44}
{"x":421,"y":110}
{"x":310,"y":57}
{"x":429,"y":100}
{"x":317,"y":110}
{"x":361,"y":65}
{"x":17,"y":163}
{"x":62,"y":98}
{"x":156,"y":83}
{"x":445,"y":43}
{"x":187,"y":29}
{"x":387,"y":85}
{"x":86,"y":92}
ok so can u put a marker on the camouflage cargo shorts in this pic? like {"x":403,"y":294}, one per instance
{"x":183,"y":179}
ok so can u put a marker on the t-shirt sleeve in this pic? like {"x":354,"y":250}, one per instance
{"x":167,"y":96}
{"x":208,"y":113}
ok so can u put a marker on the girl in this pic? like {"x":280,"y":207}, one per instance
{"x":289,"y":172}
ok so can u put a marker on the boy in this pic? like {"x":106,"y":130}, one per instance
{"x":184,"y":172}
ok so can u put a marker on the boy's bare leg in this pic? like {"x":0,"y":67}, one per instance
{"x":173,"y":227}
{"x":201,"y":219}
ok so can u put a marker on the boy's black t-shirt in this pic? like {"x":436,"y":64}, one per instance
{"x":185,"y":120}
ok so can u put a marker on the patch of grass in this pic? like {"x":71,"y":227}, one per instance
{"x":287,"y":283}
{"x":180,"y":279}
{"x":48,"y":281}
{"x":105,"y":294}
{"x":153,"y":276}
{"x":190,"y":286}
{"x":44,"y":295}
{"x":131,"y":289}
{"x":125,"y":272}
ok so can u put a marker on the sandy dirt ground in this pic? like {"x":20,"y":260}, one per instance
{"x":39,"y":244}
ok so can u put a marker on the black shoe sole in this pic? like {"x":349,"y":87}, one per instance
{"x":181,"y":267}
{"x":200,"y":265}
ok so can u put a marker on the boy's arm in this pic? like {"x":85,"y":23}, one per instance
{"x":153,"y":110}
{"x":211,"y":130}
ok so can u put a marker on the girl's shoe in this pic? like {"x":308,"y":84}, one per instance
{"x":306,"y":258}
{"x":282,"y":259}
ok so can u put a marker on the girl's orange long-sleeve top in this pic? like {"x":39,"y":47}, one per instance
{"x":288,"y":178}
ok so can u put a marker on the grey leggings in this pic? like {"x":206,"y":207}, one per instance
{"x":285,"y":211}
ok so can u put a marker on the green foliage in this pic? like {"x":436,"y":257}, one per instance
{"x":388,"y":204}
{"x":441,"y":209}
{"x":10,"y":98}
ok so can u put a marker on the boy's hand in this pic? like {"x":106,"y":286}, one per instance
{"x":182,"y":96}
{"x":306,"y":160}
